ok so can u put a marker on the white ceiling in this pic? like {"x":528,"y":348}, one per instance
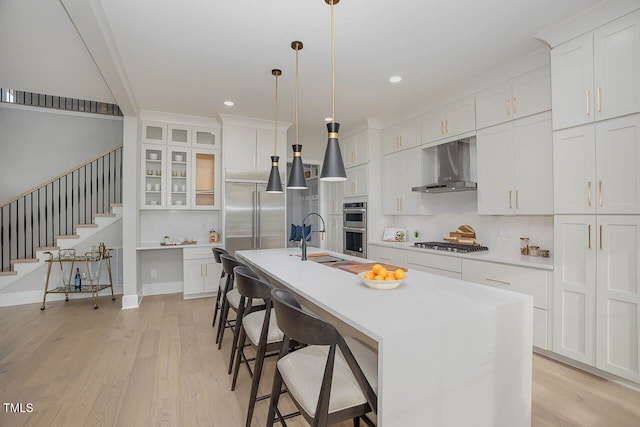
{"x":189,"y":56}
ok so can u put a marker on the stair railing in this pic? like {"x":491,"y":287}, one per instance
{"x":34,"y":218}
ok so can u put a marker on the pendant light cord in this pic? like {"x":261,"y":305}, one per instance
{"x":297,"y":99}
{"x":333,"y":69}
{"x":275,"y":130}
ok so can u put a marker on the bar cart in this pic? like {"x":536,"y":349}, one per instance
{"x":96,"y":264}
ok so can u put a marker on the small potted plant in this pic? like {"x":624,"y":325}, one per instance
{"x":167,"y":240}
{"x":416,"y":234}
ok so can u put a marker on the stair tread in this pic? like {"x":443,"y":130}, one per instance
{"x":46,"y":248}
{"x":104,"y":215}
{"x":87,"y":226}
{"x":116,"y":205}
{"x":23,"y":260}
{"x":8,"y":273}
{"x":67,"y":236}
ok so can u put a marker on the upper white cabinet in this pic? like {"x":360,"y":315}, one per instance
{"x":154,"y":133}
{"x":205,"y":138}
{"x":250,"y":148}
{"x":205,"y":186}
{"x":449,"y":121}
{"x":357,"y":181}
{"x":334,"y":233}
{"x":526,"y":95}
{"x":402,"y":136}
{"x":597,"y":167}
{"x":597,"y":76}
{"x":355,"y":149}
{"x":515,"y":167}
{"x":400,"y":172}
{"x":332,"y":194}
{"x":153,"y":159}
{"x":179,"y":135}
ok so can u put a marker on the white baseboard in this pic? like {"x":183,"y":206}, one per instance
{"x":33,"y":297}
{"x":162,"y":288}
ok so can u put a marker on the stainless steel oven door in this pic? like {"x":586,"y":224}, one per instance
{"x":355,"y":241}
{"x":354,"y":217}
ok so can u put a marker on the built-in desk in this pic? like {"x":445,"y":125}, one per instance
{"x":450,"y":353}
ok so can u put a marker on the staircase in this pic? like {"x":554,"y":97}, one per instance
{"x":59,"y":214}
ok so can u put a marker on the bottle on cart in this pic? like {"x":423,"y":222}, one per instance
{"x":77,"y":281}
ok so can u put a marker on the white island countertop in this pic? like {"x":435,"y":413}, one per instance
{"x":450,"y":353}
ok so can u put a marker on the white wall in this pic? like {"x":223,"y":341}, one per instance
{"x":37,"y":144}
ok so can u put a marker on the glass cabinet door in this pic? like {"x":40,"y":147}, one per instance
{"x":205,"y":138}
{"x":178,"y":179}
{"x":153,"y":183}
{"x":179,"y":135}
{"x":154,"y":133}
{"x":205,"y":165}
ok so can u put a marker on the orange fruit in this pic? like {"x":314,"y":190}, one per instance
{"x":382,"y":271}
{"x":376,"y":268}
{"x":390,"y":277}
{"x":390,"y":274}
{"x":369,"y":275}
{"x":378,"y":277}
{"x":399,"y":274}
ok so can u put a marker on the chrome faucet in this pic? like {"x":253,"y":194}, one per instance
{"x":304,"y":238}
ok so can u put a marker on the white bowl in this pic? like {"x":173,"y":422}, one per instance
{"x":153,"y":156}
{"x":380,"y":284}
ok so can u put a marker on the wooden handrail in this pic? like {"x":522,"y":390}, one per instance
{"x":67,"y":172}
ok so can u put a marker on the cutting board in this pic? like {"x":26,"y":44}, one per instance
{"x":366,"y":266}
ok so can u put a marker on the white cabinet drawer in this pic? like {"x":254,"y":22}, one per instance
{"x":519,"y":279}
{"x":446,"y":273}
{"x":440,"y":262}
{"x":387,"y":255}
{"x":540,"y":328}
{"x":197,"y":253}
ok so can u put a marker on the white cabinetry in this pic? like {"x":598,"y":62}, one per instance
{"x":449,"y":121}
{"x":250,"y":149}
{"x":534,"y":282}
{"x":201,"y":272}
{"x":334,"y":233}
{"x":526,"y":95}
{"x":402,"y":136}
{"x":356,"y":183}
{"x":597,"y":76}
{"x":437,"y":264}
{"x":597,"y":295}
{"x":355,"y":149}
{"x":332,"y":192}
{"x":400,"y":172}
{"x":387,"y":255}
{"x":597,"y":167}
{"x":154,"y":133}
{"x":179,"y":178}
{"x":153,"y":167}
{"x":515,"y":167}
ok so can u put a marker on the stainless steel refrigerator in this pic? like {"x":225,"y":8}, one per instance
{"x":254,"y":219}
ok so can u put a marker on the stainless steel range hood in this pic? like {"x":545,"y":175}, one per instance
{"x":449,"y":166}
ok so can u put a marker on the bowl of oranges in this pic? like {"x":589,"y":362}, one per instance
{"x":379,"y":277}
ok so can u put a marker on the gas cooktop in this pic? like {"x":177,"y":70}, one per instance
{"x":450,"y":247}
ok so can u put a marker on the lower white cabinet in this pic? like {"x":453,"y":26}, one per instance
{"x":597,"y":293}
{"x":387,"y":255}
{"x":524,"y":280}
{"x":201,"y":272}
{"x":437,"y":264}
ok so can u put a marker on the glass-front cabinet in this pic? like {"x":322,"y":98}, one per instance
{"x":205,"y":138}
{"x":153,"y":167}
{"x":205,"y":169}
{"x":179,"y":178}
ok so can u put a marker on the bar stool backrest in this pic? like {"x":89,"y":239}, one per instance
{"x":249,"y":285}
{"x":229,"y":263}
{"x":217,"y":252}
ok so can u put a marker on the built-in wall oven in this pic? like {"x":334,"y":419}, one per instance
{"x":354,"y":227}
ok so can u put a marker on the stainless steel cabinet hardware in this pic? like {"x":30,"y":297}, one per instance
{"x":502,"y":282}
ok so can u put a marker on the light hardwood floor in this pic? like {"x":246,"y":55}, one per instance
{"x":158,"y":366}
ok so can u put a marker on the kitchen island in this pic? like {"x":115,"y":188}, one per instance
{"x":450,"y":353}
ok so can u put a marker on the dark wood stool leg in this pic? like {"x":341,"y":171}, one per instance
{"x":239,"y":356}
{"x":255,"y":383}
{"x":236,"y":333}
{"x":216,"y":307}
{"x":275,"y":396}
{"x":224,"y":308}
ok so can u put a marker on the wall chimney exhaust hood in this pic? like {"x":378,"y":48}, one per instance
{"x":448,"y":168}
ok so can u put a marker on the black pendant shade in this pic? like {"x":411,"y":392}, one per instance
{"x":333,"y":166}
{"x":297,"y":180}
{"x":274,"y":185}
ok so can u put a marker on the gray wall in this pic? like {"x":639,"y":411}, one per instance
{"x":38,"y":144}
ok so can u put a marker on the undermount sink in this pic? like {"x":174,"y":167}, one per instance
{"x":325,"y":259}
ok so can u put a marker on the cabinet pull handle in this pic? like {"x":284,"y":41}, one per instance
{"x":400,"y":141}
{"x":517,"y":200}
{"x":502,"y":282}
{"x":515,"y":104}
{"x":589,"y":236}
{"x":601,"y":237}
{"x":446,"y":126}
{"x":201,"y":270}
{"x":508,"y":107}
{"x":206,"y":270}
{"x":442,"y":127}
{"x":384,"y":258}
{"x":588,"y":102}
{"x":589,"y":193}
{"x":400,"y":204}
{"x":202,"y":253}
{"x":598,"y":100}
{"x":600,"y":193}
{"x":510,"y":207}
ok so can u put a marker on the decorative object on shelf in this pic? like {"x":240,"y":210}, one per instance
{"x":213,"y":236}
{"x":524,"y":246}
{"x":332,"y":165}
{"x":296,"y":177}
{"x":274,"y":185}
{"x":544,"y":253}
{"x":167,"y":240}
{"x":534,"y":250}
{"x":392,"y":234}
{"x":416,"y":234}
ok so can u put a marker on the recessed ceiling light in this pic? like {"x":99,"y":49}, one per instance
{"x":328,"y":119}
{"x":395,"y":79}
{"x":229,"y":103}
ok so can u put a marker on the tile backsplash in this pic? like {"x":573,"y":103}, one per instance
{"x":154,"y":225}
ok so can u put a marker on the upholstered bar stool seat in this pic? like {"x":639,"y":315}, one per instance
{"x":252,"y":324}
{"x":233,"y":296}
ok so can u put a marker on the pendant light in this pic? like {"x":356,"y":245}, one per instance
{"x":274,"y":185}
{"x":297,"y":180}
{"x":332,"y":165}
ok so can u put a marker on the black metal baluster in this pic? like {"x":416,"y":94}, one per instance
{"x":109,"y":184}
{"x":59,"y":205}
{"x":33,"y":243}
{"x":2,"y":246}
{"x":24,"y":226}
{"x":46,"y":215}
